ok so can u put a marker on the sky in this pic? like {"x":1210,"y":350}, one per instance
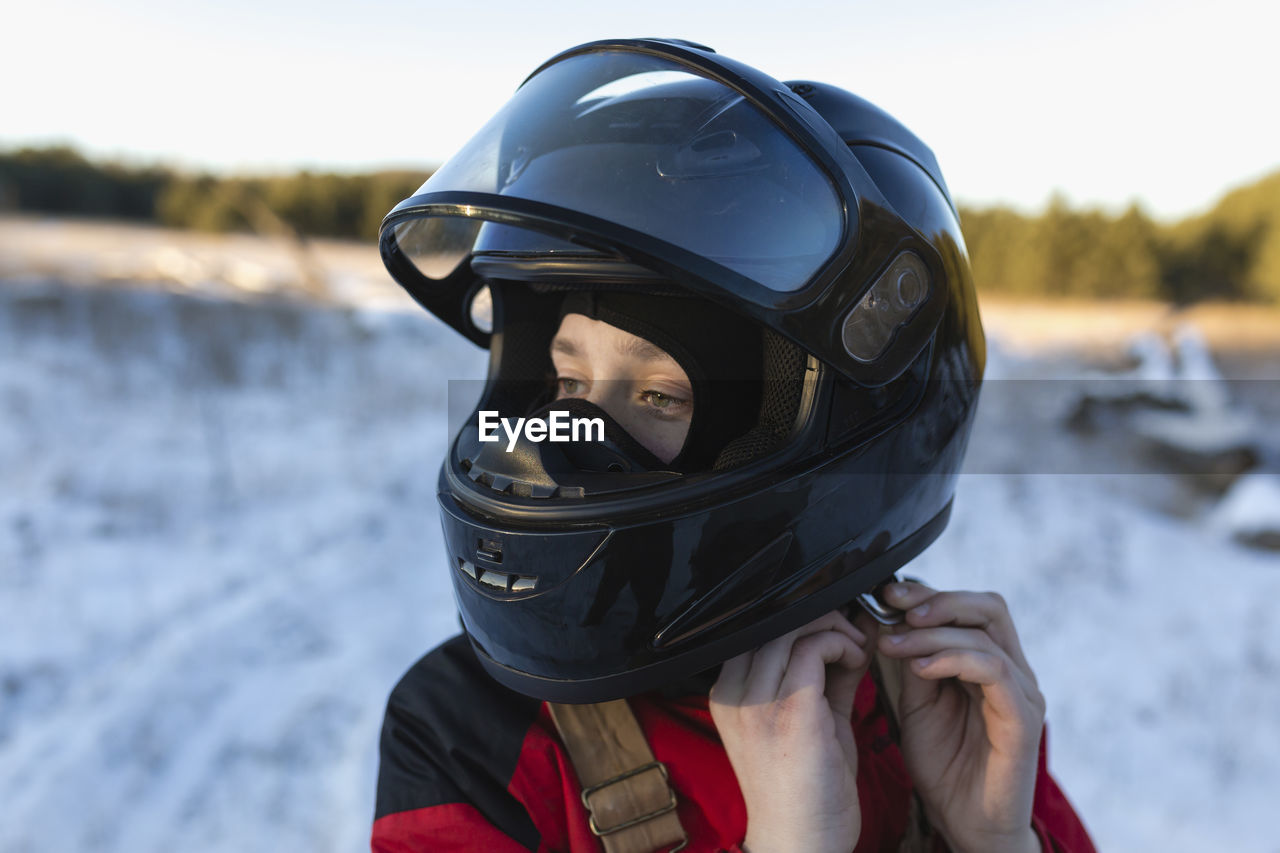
{"x":1168,"y":104}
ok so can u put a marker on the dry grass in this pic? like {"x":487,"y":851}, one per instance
{"x":1104,"y":328}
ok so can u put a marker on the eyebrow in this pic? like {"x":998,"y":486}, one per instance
{"x":638,"y":347}
{"x":635,"y":347}
{"x":564,"y":345}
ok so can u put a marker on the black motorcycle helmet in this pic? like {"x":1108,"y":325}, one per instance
{"x":650,"y":166}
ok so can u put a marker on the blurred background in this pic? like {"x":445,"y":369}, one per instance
{"x":220,"y":421}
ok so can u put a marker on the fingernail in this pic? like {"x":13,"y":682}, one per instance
{"x":899,"y":590}
{"x":921,"y":610}
{"x":895,"y":638}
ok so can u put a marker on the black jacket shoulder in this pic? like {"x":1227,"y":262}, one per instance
{"x":453,"y":735}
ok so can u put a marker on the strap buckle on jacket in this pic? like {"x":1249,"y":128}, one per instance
{"x":622,"y":777}
{"x":629,"y":808}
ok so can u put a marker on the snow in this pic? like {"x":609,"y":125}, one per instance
{"x":1176,"y":401}
{"x":219,"y":549}
{"x":1250,"y":511}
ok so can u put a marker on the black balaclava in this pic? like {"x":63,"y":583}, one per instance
{"x":721,"y":352}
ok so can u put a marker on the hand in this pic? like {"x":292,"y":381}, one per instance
{"x":783,"y":712}
{"x":971,"y":716}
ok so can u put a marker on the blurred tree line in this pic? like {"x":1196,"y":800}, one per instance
{"x":314,"y":204}
{"x":1230,"y":252}
{"x":60,"y":180}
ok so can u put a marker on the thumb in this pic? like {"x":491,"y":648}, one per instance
{"x":842,"y":687}
{"x":842,"y":679}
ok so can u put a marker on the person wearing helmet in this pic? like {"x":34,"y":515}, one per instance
{"x":755,"y":295}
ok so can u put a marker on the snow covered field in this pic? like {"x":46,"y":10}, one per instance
{"x":219,"y":549}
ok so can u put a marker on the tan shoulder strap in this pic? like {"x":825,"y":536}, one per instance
{"x":918,"y":837}
{"x":629,"y":800}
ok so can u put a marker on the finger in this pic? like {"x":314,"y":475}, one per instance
{"x":991,"y":672}
{"x":868,"y":626}
{"x":921,"y":642}
{"x":916,"y":642}
{"x":914,"y":692}
{"x":908,"y":594}
{"x":770,"y":661}
{"x":829,"y":662}
{"x":732,"y":681}
{"x":985,"y":610}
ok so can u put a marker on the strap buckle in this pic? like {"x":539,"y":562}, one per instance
{"x":885,"y":614}
{"x":626,"y":824}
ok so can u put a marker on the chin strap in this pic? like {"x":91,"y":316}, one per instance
{"x":919,"y":836}
{"x":630,"y":805}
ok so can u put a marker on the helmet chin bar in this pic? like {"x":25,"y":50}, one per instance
{"x":785,"y":607}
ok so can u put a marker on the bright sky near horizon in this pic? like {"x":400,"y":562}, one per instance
{"x":1107,"y":101}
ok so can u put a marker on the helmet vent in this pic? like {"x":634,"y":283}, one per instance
{"x":503,"y":582}
{"x":489,"y":549}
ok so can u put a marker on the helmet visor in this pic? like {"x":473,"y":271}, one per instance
{"x":646,"y":143}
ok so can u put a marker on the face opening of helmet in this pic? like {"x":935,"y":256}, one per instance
{"x":677,"y":384}
{"x":640,"y":385}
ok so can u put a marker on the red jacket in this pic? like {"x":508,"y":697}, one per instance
{"x":468,"y":765}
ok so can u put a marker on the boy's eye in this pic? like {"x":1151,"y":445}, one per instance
{"x":658,"y":400}
{"x":569,"y":387}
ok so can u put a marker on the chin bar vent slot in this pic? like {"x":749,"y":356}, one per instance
{"x":489,"y":550}
{"x":492,"y":581}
